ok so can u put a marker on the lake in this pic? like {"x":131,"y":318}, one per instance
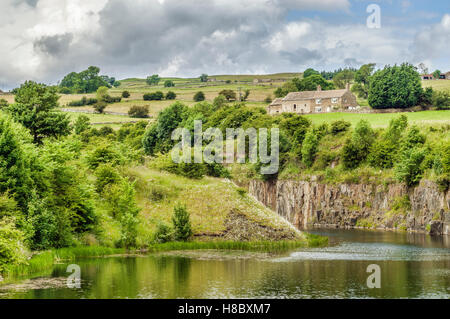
{"x":411,"y":265}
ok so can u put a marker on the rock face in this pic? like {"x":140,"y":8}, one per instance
{"x":307,"y":204}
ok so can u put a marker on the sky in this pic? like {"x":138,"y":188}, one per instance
{"x":43,"y":40}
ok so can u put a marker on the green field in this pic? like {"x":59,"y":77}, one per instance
{"x":382,"y":120}
{"x":185,"y":88}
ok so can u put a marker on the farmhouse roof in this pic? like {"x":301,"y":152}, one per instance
{"x":310,"y":95}
{"x":277,"y":101}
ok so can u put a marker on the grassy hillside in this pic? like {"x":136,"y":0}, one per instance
{"x":438,"y":85}
{"x":209,"y":201}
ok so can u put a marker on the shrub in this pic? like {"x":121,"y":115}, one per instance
{"x":100,"y":107}
{"x":169,"y":84}
{"x":171,"y":95}
{"x":268,"y":99}
{"x":219,"y":102}
{"x":81,"y":124}
{"x":112,"y":99}
{"x":125,"y":94}
{"x":357,"y":148}
{"x":106,"y":175}
{"x":163,"y":234}
{"x":441,"y":100}
{"x":65,"y":90}
{"x":155,"y":96}
{"x":339,"y":127}
{"x":409,"y":168}
{"x":139,"y":111}
{"x":309,"y":148}
{"x":12,"y":248}
{"x":181,"y":223}
{"x":230,"y":95}
{"x":3,"y":104}
{"x":199,"y":96}
{"x":106,"y":131}
{"x":102,"y":155}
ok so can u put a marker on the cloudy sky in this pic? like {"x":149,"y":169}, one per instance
{"x":43,"y":40}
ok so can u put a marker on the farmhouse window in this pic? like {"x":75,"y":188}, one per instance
{"x":318,"y":101}
{"x":318,"y":109}
{"x":334,"y":100}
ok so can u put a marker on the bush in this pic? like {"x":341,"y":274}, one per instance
{"x":139,"y":111}
{"x":102,"y":155}
{"x":12,"y":248}
{"x":112,"y":99}
{"x":106,"y":175}
{"x":65,"y":90}
{"x":268,"y":99}
{"x":309,"y":148}
{"x":3,"y":104}
{"x":339,"y":127}
{"x":219,"y":102}
{"x":169,"y":84}
{"x":155,"y":96}
{"x":441,"y":100}
{"x":181,"y":223}
{"x":163,"y":234}
{"x":100,"y":107}
{"x":84,"y":101}
{"x":125,"y":94}
{"x":81,"y":124}
{"x":409,"y":168}
{"x":171,"y":95}
{"x":357,"y":148}
{"x":199,"y":96}
{"x":230,"y":95}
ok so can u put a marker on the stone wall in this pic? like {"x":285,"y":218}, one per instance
{"x":308,"y":204}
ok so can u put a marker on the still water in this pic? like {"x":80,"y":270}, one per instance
{"x":412,"y":266}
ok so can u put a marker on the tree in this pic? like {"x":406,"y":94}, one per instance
{"x":102,"y":94}
{"x":171,"y":95}
{"x":422,"y":68}
{"x":437,"y":74}
{"x":87,"y":81}
{"x":100,"y":107}
{"x":125,"y":94}
{"x":312,"y":82}
{"x":230,"y":95}
{"x":362,"y":79}
{"x":343,"y":78}
{"x":169,"y":84}
{"x":153,"y":80}
{"x":199,"y":96}
{"x":309,"y":72}
{"x":35,"y":108}
{"x":395,"y":87}
{"x":181,"y":223}
{"x":204,"y":78}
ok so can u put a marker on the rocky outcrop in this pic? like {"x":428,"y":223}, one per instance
{"x":310,"y":203}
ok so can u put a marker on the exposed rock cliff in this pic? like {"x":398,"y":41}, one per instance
{"x":423,"y":208}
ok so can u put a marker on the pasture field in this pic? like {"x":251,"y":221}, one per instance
{"x":438,"y":85}
{"x":185,"y":88}
{"x":425,"y":118}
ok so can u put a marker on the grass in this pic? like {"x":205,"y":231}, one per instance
{"x":438,"y":85}
{"x":208,"y":200}
{"x":97,"y":119}
{"x":382,"y":120}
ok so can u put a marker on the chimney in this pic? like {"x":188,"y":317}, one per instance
{"x":319,"y":88}
{"x":347,"y":86}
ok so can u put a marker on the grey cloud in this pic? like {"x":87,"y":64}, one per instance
{"x":54,"y":45}
{"x":302,"y":56}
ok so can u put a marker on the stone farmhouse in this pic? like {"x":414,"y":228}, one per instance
{"x":443,"y":76}
{"x":314,"y":102}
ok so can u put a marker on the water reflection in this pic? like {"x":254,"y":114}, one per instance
{"x":415,"y":266}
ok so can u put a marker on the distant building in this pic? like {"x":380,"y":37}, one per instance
{"x":314,"y":102}
{"x":427,"y":77}
{"x":447,"y":76}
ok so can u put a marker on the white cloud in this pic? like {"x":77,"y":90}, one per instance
{"x":45,"y":39}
